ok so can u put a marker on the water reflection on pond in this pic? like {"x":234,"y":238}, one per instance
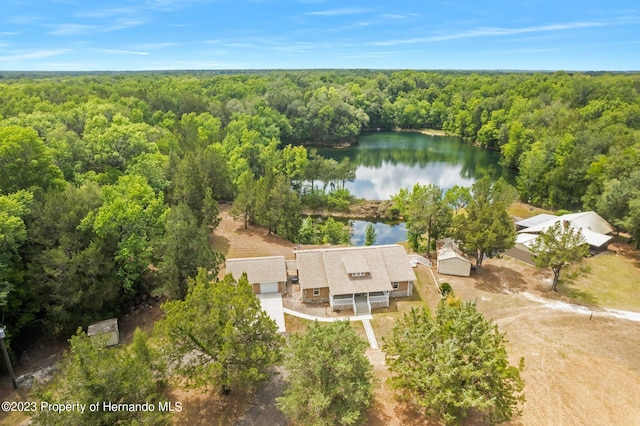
{"x":388,"y":161}
{"x":385,"y":233}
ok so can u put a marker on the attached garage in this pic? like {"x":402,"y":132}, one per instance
{"x":265,"y":274}
{"x":269,"y":288}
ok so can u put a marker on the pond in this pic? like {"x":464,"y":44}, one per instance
{"x":388,"y":161}
{"x":386,"y":233}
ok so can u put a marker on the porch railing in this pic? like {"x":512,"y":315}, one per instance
{"x":341,"y":301}
{"x":375,"y":298}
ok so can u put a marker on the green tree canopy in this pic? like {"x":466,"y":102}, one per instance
{"x":14,"y":210}
{"x":130,"y":220}
{"x":426,"y":212}
{"x":453,"y":364}
{"x":485,"y":229}
{"x":25,"y":161}
{"x":219,"y":335}
{"x":183,"y":249}
{"x":370,"y":235}
{"x":557,"y":246}
{"x":92,"y":373}
{"x":330,"y":380}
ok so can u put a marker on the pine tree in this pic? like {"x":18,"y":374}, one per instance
{"x":370,"y":235}
{"x":453,"y":364}
{"x":485,"y":229}
{"x":330,"y":378}
{"x":219,"y":335}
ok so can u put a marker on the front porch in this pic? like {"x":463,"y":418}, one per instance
{"x":359,"y":303}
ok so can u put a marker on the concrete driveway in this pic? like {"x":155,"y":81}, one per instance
{"x":272,"y":305}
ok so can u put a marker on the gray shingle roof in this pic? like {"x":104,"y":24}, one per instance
{"x":259,"y":269}
{"x":331,"y":267}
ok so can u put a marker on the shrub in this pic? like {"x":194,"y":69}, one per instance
{"x":445,"y":289}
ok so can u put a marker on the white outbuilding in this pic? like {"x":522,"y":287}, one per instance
{"x":451,"y":260}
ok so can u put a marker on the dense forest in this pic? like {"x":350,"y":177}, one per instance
{"x":110,"y":183}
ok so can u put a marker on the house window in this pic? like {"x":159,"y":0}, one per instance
{"x":395,"y":285}
{"x":358,"y":274}
{"x":316,"y":292}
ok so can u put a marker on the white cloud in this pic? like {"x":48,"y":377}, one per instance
{"x":32,"y":55}
{"x":107,"y":13}
{"x":491,"y":31}
{"x":338,"y":12}
{"x":154,"y":46}
{"x":71,"y":29}
{"x":120,"y":51}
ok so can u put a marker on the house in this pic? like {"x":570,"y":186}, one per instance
{"x":354,"y":278}
{"x":451,"y":260}
{"x":594,"y":229}
{"x":265,"y":274}
{"x":107,"y":329}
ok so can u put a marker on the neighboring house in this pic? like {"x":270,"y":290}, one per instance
{"x":451,"y":260}
{"x":594,"y":229}
{"x":354,"y":278}
{"x":265,"y":274}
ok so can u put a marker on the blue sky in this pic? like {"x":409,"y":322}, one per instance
{"x":88,"y":35}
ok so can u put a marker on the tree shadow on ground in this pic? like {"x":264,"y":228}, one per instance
{"x":198,"y":405}
{"x":263,"y":409}
{"x":498,"y":279}
{"x":409,"y":415}
{"x":568,"y":288}
{"x":377,"y":416}
{"x":219,"y":244}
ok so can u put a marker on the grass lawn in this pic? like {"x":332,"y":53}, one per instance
{"x":295,"y":324}
{"x":525,"y":211}
{"x":424,"y":294}
{"x":610,"y":281}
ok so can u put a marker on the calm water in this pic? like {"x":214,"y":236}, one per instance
{"x":388,"y":161}
{"x":386,"y":233}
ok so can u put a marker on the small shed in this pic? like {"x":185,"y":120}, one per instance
{"x":451,"y":260}
{"x":106,"y":329}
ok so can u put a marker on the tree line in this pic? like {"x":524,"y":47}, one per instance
{"x":571,"y":136}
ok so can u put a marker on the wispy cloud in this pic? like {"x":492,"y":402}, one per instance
{"x":37,"y":54}
{"x":397,"y":16}
{"x":81,"y":29}
{"x":8,"y":33}
{"x":338,"y":12}
{"x":515,"y":51}
{"x":24,"y":20}
{"x":107,"y":13}
{"x":71,"y":29}
{"x":491,"y":31}
{"x":120,"y":52}
{"x":122,"y":24}
{"x":155,"y":46}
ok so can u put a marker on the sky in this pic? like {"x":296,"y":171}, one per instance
{"x":119,"y":35}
